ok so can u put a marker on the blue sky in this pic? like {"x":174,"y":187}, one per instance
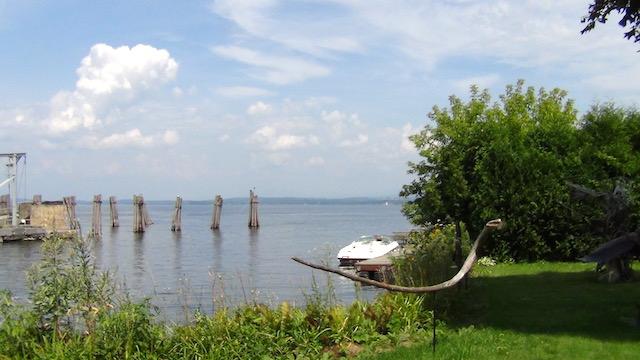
{"x":294,"y":98}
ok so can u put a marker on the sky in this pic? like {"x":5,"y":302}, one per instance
{"x":293,"y":98}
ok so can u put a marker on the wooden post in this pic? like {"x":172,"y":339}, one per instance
{"x":139,"y":224}
{"x":113,"y":211}
{"x":37,"y":200}
{"x":176,"y":223}
{"x":253,"y":210}
{"x":96,"y":217}
{"x":217,"y":210}
{"x":70,"y":207}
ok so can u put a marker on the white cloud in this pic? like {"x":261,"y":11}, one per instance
{"x":259,"y":108}
{"x":131,"y":138}
{"x":224,"y":138}
{"x":279,"y":70}
{"x":170,"y":137}
{"x":269,"y":139}
{"x":338,"y":122}
{"x":107,"y":70}
{"x":406,"y":144}
{"x":106,"y":76}
{"x":261,"y":19}
{"x":242,"y":91}
{"x":512,"y":35}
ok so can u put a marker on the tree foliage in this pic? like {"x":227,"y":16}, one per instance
{"x":512,"y":159}
{"x":600,"y":10}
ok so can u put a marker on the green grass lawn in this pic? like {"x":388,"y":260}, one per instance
{"x":537,"y":311}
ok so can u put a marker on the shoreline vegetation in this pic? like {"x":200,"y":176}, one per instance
{"x":76,"y":312}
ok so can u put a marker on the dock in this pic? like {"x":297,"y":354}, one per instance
{"x":379,"y":268}
{"x":13,"y":233}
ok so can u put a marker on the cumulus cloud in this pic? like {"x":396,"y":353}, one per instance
{"x":107,"y":75}
{"x":107,"y":70}
{"x":296,"y":125}
{"x":278,"y":70}
{"x":338,"y":122}
{"x":259,"y":108}
{"x":269,"y":139}
{"x":132,"y":137}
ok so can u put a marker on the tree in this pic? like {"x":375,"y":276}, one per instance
{"x":509,"y":159}
{"x":600,"y":10}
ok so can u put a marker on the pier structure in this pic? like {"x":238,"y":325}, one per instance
{"x":13,"y":230}
{"x":12,"y":172}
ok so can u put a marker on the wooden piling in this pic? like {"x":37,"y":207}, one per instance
{"x":113,"y":211}
{"x":176,"y":223}
{"x":253,"y":210}
{"x":141,"y":217}
{"x":96,"y":217}
{"x":139,"y":224}
{"x":217,"y":210}
{"x":37,"y":200}
{"x":70,"y":208}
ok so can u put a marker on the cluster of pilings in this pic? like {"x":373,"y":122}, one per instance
{"x":141,"y":218}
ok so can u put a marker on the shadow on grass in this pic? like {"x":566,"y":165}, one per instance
{"x":550,"y":302}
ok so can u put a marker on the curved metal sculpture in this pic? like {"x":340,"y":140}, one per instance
{"x":466,"y":267}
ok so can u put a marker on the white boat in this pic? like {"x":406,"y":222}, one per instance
{"x":367,"y":247}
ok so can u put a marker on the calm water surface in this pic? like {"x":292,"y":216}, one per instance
{"x":194,"y":267}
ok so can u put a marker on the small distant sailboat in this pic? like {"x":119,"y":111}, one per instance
{"x":367,"y":247}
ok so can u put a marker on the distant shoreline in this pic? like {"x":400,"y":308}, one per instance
{"x":279,"y":200}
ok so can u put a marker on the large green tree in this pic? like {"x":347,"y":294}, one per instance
{"x":510,"y":159}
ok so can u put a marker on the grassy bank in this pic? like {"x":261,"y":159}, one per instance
{"x":537,"y":311}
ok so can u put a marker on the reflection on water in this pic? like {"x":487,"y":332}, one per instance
{"x":193,"y":267}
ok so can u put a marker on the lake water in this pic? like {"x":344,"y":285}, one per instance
{"x":194,"y":267}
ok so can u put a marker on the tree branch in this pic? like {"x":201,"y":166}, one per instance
{"x":466,"y":267}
